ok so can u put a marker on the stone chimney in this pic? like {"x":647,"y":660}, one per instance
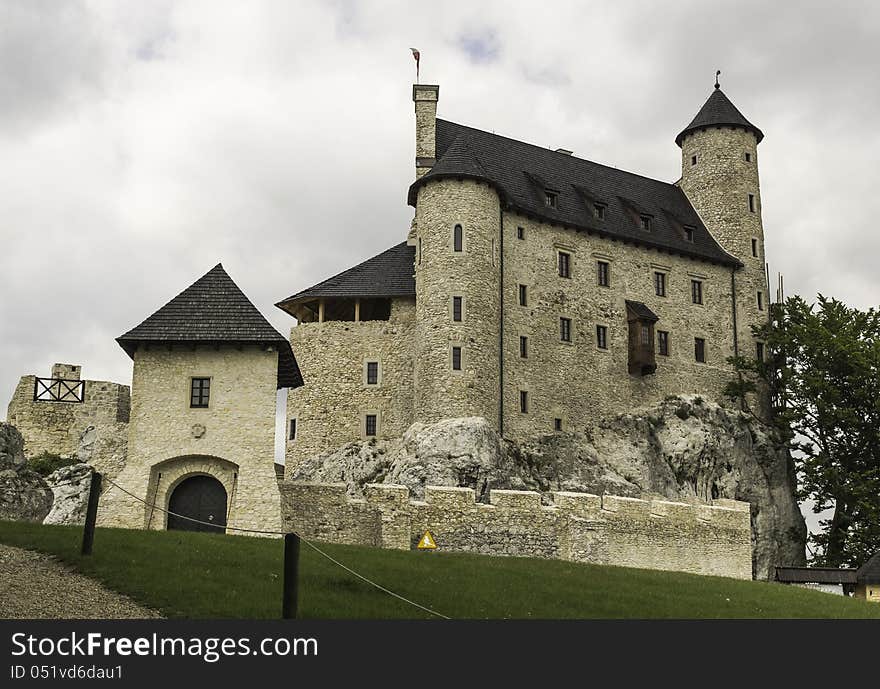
{"x":66,"y":371}
{"x":425,"y":96}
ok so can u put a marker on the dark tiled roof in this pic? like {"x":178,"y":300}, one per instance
{"x":213,"y":310}
{"x":520,"y":172}
{"x":390,"y":274}
{"x":718,"y":110}
{"x":869,"y":573}
{"x":815,"y":575}
{"x":639,"y":310}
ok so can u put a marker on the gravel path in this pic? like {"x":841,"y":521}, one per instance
{"x":33,"y":585}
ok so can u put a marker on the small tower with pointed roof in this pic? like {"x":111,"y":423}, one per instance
{"x":201,"y":442}
{"x":719,"y":175}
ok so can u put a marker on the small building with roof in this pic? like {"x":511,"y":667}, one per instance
{"x":201,"y":435}
{"x":863,"y":582}
{"x":538,"y":289}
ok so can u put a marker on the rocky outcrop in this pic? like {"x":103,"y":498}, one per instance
{"x":684,"y":449}
{"x":70,"y":488}
{"x":24,"y":495}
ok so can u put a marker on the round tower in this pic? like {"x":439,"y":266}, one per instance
{"x":719,"y":175}
{"x":457,"y":350}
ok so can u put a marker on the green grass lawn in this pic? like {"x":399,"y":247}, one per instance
{"x":210,"y":576}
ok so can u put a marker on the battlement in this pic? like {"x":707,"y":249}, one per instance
{"x":608,"y":529}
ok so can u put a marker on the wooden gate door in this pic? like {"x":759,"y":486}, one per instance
{"x":198,"y":497}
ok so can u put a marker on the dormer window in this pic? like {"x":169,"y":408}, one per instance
{"x":599,"y":210}
{"x":646,"y":222}
{"x":689,"y":233}
{"x":551,"y":198}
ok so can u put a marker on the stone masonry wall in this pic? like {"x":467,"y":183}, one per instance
{"x":702,"y":539}
{"x":577,"y":381}
{"x":331,"y":407}
{"x":94,"y":430}
{"x":233,"y":439}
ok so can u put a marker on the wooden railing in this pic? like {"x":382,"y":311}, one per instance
{"x":59,"y":390}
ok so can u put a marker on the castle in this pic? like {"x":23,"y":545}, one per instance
{"x":537,"y":289}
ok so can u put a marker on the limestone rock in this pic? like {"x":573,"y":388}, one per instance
{"x":24,"y":495}
{"x":70,"y":487}
{"x":683,"y":448}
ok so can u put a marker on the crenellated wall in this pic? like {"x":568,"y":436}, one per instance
{"x":609,"y":530}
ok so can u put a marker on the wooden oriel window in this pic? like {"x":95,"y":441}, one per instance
{"x":603,"y":273}
{"x":199,"y":393}
{"x":641,"y":356}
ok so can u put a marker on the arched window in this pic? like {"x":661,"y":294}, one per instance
{"x":457,"y":238}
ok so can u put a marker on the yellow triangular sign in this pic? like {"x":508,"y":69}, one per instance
{"x":427,"y":542}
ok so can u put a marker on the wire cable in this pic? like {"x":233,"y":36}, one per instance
{"x":284,"y":533}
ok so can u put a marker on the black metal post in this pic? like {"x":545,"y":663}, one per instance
{"x":91,"y":514}
{"x":291,"y":577}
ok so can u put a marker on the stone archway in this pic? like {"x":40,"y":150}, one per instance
{"x":198,"y":503}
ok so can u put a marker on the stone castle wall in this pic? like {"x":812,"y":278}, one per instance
{"x":577,"y":381}
{"x":232,"y":439}
{"x":608,"y":530}
{"x":95,"y":430}
{"x":331,"y":407}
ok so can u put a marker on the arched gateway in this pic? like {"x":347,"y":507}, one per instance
{"x":201,"y":498}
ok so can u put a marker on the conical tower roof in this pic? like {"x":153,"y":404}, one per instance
{"x":214,"y":310}
{"x":718,"y":111}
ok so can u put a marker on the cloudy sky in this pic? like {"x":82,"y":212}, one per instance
{"x":143,"y":142}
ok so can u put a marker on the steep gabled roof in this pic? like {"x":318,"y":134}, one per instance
{"x":214,"y":310}
{"x":869,"y":573}
{"x":389,"y":274}
{"x":520,"y":172}
{"x":719,"y":111}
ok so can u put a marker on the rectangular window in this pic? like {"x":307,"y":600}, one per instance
{"x":457,"y":238}
{"x":293,"y":429}
{"x":370,"y":425}
{"x":456,"y":358}
{"x":602,"y":337}
{"x":456,"y":309}
{"x":564,"y":265}
{"x":565,"y":329}
{"x":557,"y":425}
{"x":599,"y":209}
{"x":700,"y":349}
{"x":372,"y":373}
{"x":759,"y":351}
{"x":760,"y":301}
{"x":752,"y":203}
{"x":551,"y":198}
{"x":748,"y":157}
{"x":646,"y":335}
{"x":523,"y":295}
{"x":697,"y":291}
{"x":689,"y":233}
{"x":660,"y":284}
{"x":524,"y":401}
{"x":754,"y":247}
{"x":603,"y":273}
{"x":200,"y":392}
{"x":646,"y":222}
{"x":693,"y":160}
{"x":523,"y":347}
{"x":520,"y":232}
{"x":663,"y":342}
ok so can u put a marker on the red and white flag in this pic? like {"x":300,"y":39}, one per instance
{"x":416,"y":56}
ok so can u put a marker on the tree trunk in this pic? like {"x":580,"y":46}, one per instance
{"x":835,"y":551}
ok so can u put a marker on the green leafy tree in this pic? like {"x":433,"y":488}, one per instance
{"x":822,"y":375}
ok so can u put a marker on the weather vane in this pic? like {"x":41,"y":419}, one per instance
{"x":416,"y":56}
{"x":717,"y":74}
